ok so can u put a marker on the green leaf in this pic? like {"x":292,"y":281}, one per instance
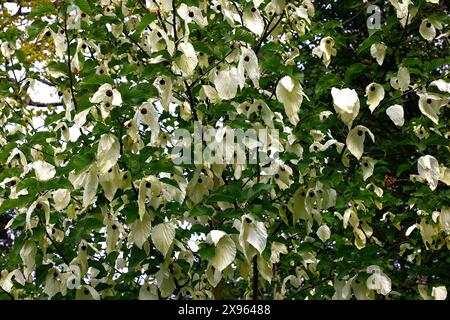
{"x":20,"y":202}
{"x":84,"y":6}
{"x":42,"y":9}
{"x":255,"y":191}
{"x":355,"y":71}
{"x":325,"y":83}
{"x":201,"y":211}
{"x":79,"y":162}
{"x":145,"y":21}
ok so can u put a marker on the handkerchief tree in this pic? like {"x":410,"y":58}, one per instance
{"x":354,"y":203}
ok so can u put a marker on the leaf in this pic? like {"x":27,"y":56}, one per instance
{"x":367,"y":43}
{"x":20,"y":202}
{"x":163,"y":235}
{"x":325,"y":83}
{"x":255,"y":191}
{"x":355,"y":71}
{"x":145,"y":21}
{"x":96,"y":80}
{"x":80,"y":162}
{"x":84,"y":6}
{"x":201,"y":211}
{"x":34,"y":28}
{"x":42,"y":9}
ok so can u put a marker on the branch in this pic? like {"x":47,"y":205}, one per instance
{"x":255,"y":278}
{"x":210,"y":68}
{"x":137,"y":44}
{"x":239,"y":12}
{"x":69,"y":61}
{"x":18,"y":114}
{"x":312,"y":286}
{"x":54,"y":243}
{"x":44,"y":104}
{"x":191,"y":100}
{"x":267,"y":32}
{"x":174,"y":13}
{"x":398,"y":45}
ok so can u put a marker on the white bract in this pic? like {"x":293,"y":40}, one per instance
{"x":346,"y":104}
{"x":163,"y":235}
{"x":428,"y":28}
{"x":44,"y":171}
{"x":107,"y":94}
{"x":378,"y":51}
{"x":252,"y":235}
{"x":430,"y":105}
{"x":248,"y":64}
{"x":428,"y":168}
{"x":375,"y":94}
{"x":289,"y":92}
{"x":396,"y":114}
{"x":226,"y":83}
{"x":325,"y":50}
{"x":355,"y":140}
{"x":188,"y":60}
{"x":253,"y":21}
{"x":324,"y":233}
{"x":108,"y":152}
{"x":378,"y":280}
{"x":402,"y":80}
{"x":225,"y":249}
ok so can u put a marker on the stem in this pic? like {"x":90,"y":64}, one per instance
{"x":54,"y":244}
{"x":210,"y":68}
{"x":398,"y":45}
{"x":255,"y":278}
{"x":191,"y":100}
{"x":174,"y":13}
{"x":312,"y":286}
{"x":69,"y":61}
{"x":267,"y":32}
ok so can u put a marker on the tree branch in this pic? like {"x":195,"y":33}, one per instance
{"x":191,"y":100}
{"x":69,"y":61}
{"x":255,"y":278}
{"x":174,"y":13}
{"x":267,"y":32}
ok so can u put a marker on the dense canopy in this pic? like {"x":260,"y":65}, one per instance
{"x":352,"y":203}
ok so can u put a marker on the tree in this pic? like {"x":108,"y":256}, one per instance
{"x":343,"y":191}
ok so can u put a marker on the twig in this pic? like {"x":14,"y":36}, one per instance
{"x":239,"y":12}
{"x":191,"y":100}
{"x":255,"y":278}
{"x":312,"y":286}
{"x":267,"y":32}
{"x":18,"y":114}
{"x":69,"y":61}
{"x":398,"y":45}
{"x":210,"y":68}
{"x":54,"y":243}
{"x":174,"y":13}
